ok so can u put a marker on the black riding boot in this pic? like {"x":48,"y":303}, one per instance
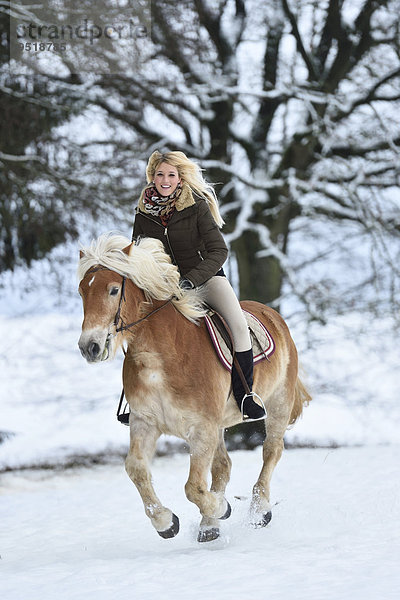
{"x":250,"y":408}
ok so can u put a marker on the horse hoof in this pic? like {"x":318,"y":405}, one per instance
{"x":262,"y":520}
{"x":208,"y":535}
{"x":171,"y":531}
{"x":227,"y":513}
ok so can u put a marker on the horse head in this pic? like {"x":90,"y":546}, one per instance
{"x":101,"y":272}
{"x":102,"y":292}
{"x":109,"y":265}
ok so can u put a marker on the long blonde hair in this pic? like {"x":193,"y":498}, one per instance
{"x":190,"y":173}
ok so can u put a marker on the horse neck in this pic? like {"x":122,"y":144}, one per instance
{"x":160,"y":331}
{"x":136,"y":307}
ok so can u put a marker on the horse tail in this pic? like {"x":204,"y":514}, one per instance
{"x":301,"y":398}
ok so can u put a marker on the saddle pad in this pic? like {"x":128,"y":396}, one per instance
{"x":262,"y":340}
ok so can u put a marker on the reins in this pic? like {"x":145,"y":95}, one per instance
{"x":125,"y":327}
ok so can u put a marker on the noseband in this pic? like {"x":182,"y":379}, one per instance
{"x":118,"y":318}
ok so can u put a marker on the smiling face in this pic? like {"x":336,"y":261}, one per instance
{"x":166,"y":179}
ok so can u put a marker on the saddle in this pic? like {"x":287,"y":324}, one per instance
{"x":262,"y":341}
{"x":220,"y":334}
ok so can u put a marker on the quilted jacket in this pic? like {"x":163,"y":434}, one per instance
{"x":192,"y":238}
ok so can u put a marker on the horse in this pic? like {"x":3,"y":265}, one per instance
{"x":173,"y":381}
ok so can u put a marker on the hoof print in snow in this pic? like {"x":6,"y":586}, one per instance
{"x":171,"y":531}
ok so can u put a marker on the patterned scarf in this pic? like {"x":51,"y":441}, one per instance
{"x":160,"y":206}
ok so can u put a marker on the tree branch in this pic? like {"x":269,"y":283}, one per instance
{"x":368,"y":97}
{"x":272,"y":184}
{"x":268,"y":104}
{"x":332,"y":23}
{"x":165,"y":36}
{"x":22,"y":158}
{"x":312,"y":73}
{"x":350,"y":53}
{"x":212,"y":23}
{"x":349,"y":151}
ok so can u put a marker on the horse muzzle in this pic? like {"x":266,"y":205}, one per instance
{"x":95,"y":345}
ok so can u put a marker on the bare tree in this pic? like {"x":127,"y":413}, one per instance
{"x":292,"y":107}
{"x":50,"y":177}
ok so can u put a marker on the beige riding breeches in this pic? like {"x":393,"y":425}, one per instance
{"x":219,"y":294}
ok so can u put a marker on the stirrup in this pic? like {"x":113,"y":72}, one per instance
{"x":123,"y":418}
{"x":250,"y":419}
{"x":123,"y":413}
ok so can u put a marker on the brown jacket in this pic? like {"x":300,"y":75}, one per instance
{"x":192,"y":238}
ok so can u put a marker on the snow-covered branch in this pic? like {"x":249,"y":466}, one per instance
{"x":368,"y":96}
{"x":266,"y":185}
{"x":22,"y":158}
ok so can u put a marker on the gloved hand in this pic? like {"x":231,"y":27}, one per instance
{"x":186,"y":284}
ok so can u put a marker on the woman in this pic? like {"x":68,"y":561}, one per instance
{"x":180,"y":208}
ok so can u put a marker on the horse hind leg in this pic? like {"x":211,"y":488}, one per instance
{"x":260,"y":511}
{"x":206,"y":451}
{"x":220,"y":471}
{"x":142,"y":447}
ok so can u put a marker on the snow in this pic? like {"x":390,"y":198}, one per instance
{"x":83,"y":533}
{"x":54,"y":407}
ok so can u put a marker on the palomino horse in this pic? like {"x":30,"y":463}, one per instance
{"x":172,"y":379}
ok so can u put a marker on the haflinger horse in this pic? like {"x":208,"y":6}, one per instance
{"x":172,"y":378}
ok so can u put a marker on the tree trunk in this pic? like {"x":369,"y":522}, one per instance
{"x":260,"y":278}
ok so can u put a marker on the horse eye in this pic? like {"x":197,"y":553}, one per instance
{"x":114,"y":291}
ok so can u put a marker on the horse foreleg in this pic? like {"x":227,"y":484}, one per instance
{"x":212,"y":504}
{"x":142,"y":447}
{"x":221,"y":466}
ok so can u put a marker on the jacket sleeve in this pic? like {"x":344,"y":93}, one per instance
{"x":137,"y":229}
{"x":216,"y":249}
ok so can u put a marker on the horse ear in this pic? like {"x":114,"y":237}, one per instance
{"x":128,"y":249}
{"x":81,"y":254}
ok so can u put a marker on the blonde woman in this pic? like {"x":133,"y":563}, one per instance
{"x":180,"y":208}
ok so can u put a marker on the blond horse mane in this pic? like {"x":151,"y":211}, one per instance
{"x":147,"y":265}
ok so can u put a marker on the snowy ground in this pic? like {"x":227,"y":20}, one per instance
{"x":83,"y":533}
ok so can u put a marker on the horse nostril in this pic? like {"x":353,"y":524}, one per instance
{"x":93,"y":350}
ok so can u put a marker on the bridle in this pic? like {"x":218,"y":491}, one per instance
{"x":118,"y":319}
